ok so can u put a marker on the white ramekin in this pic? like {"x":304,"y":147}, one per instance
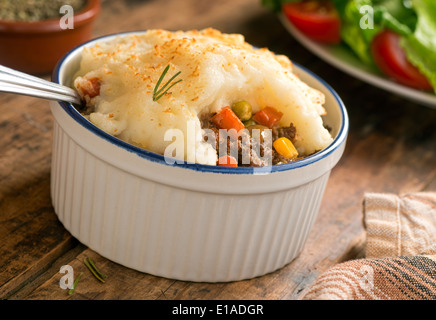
{"x":184,"y":221}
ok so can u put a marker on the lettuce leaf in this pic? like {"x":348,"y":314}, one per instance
{"x":357,"y":38}
{"x":420,"y":46}
{"x":276,"y":5}
{"x":363,"y":19}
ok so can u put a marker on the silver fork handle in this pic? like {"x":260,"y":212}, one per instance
{"x":13,"y":81}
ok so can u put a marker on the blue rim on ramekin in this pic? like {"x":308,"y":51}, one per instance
{"x":152,"y":156}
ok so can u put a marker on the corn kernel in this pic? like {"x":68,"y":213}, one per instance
{"x":285,"y":148}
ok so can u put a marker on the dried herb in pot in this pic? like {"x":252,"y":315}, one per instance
{"x":35,"y":10}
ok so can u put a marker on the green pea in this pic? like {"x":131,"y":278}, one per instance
{"x":243,"y":110}
{"x":249,"y":122}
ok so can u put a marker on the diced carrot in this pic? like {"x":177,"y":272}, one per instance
{"x":227,"y":119}
{"x":91,"y":88}
{"x":268,"y":117}
{"x":227,"y":161}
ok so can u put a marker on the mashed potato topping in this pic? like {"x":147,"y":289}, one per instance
{"x":216,"y":69}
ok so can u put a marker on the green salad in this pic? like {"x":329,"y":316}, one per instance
{"x":397,"y":36}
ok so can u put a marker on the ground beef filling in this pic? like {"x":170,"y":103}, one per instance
{"x":256,"y":149}
{"x":249,"y":149}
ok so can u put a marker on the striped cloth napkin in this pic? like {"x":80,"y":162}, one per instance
{"x":400,"y":261}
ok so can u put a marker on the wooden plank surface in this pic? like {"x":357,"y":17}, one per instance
{"x":391,"y":148}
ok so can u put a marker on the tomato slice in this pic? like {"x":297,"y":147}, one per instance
{"x":390,"y":57}
{"x":318,"y":20}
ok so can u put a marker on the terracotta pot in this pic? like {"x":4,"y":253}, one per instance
{"x":35,"y":47}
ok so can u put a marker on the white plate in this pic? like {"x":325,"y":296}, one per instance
{"x":341,"y":58}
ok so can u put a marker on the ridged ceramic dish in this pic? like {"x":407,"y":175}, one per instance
{"x":185,"y":221}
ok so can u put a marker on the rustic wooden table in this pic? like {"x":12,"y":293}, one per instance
{"x":391,"y":148}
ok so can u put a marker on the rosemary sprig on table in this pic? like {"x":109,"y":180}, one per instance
{"x":91,"y":266}
{"x":158,"y":93}
{"x":71,"y":291}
